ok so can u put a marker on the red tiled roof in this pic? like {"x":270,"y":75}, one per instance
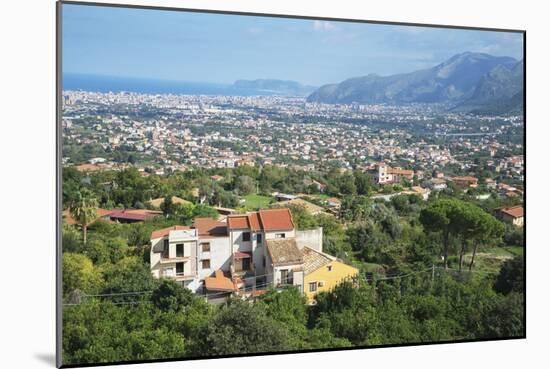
{"x":405,"y":172}
{"x":276,"y":219}
{"x":219,"y":282}
{"x":265,"y":219}
{"x":100,"y":213}
{"x":208,"y":227}
{"x":166,"y":231}
{"x":514,"y":211}
{"x":465,"y":179}
{"x":238,"y":222}
{"x":134,"y":214}
{"x":254,"y":221}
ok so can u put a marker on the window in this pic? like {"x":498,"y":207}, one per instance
{"x":206,"y":264}
{"x":246,"y":264}
{"x":329,"y":268}
{"x":205,"y":246}
{"x":263,"y":262}
{"x":179,"y":250}
{"x":259,"y":238}
{"x":246,"y":236}
{"x":179,"y":268}
{"x":279,"y":235}
{"x":312,"y":286}
{"x":165,"y":249}
{"x":321,"y":283}
{"x":284,"y":276}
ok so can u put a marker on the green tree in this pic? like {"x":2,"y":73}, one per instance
{"x":168,"y":206}
{"x":84,"y":210}
{"x":510,"y":277}
{"x":244,"y":185}
{"x":171,"y":296}
{"x":240,"y":328}
{"x":437,"y":218}
{"x":129,"y":274}
{"x":79,"y":273}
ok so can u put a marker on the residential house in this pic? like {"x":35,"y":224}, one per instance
{"x":384,"y":174}
{"x":248,"y":251}
{"x":437,"y":184}
{"x":465,"y":182}
{"x":323,"y":272}
{"x":133,"y":215}
{"x":512,"y":214}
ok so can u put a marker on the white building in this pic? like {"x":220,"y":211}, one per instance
{"x":249,"y":249}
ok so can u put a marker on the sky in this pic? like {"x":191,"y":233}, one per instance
{"x":221,"y":48}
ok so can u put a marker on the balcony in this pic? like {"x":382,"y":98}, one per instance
{"x":184,"y":276}
{"x":239,"y":271}
{"x":179,"y":276}
{"x":177,"y":259}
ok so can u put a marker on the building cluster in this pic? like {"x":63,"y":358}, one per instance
{"x":179,"y":132}
{"x":246,"y":254}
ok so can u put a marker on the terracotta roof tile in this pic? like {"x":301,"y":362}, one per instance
{"x":276,"y":219}
{"x":314,"y":260}
{"x":166,"y":231}
{"x":238,"y":222}
{"x":284,"y":251}
{"x":134,"y":214}
{"x":219,"y":282}
{"x":514,"y":211}
{"x":208,"y":227}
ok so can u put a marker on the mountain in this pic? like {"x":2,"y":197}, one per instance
{"x":453,"y":81}
{"x":273,"y":87}
{"x":499,"y":91}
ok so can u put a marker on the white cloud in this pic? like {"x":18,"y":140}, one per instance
{"x":323,"y":26}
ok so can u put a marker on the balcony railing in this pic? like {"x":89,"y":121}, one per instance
{"x":179,"y":276}
{"x":167,"y":260}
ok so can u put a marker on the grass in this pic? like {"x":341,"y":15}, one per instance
{"x":254,"y":201}
{"x":490,"y":260}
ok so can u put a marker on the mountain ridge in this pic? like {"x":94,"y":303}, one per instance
{"x":454,"y":82}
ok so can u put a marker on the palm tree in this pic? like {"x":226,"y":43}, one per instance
{"x":84,"y":210}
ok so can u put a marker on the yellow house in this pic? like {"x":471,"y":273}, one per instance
{"x":322,"y":272}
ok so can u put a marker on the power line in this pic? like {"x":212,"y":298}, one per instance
{"x":117,"y":294}
{"x":266,"y":284}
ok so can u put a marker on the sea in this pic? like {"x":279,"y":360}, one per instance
{"x":100,"y":83}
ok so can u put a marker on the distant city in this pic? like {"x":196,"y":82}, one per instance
{"x":239,"y":185}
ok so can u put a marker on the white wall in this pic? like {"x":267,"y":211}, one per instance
{"x":271,"y":235}
{"x":312,"y":238}
{"x":219,"y":255}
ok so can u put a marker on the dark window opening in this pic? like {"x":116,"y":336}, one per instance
{"x":165,"y":249}
{"x":246,"y":264}
{"x":179,"y":268}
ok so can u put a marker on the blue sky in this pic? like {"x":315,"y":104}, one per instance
{"x":221,"y":48}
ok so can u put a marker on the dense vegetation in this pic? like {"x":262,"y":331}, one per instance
{"x":427,"y":271}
